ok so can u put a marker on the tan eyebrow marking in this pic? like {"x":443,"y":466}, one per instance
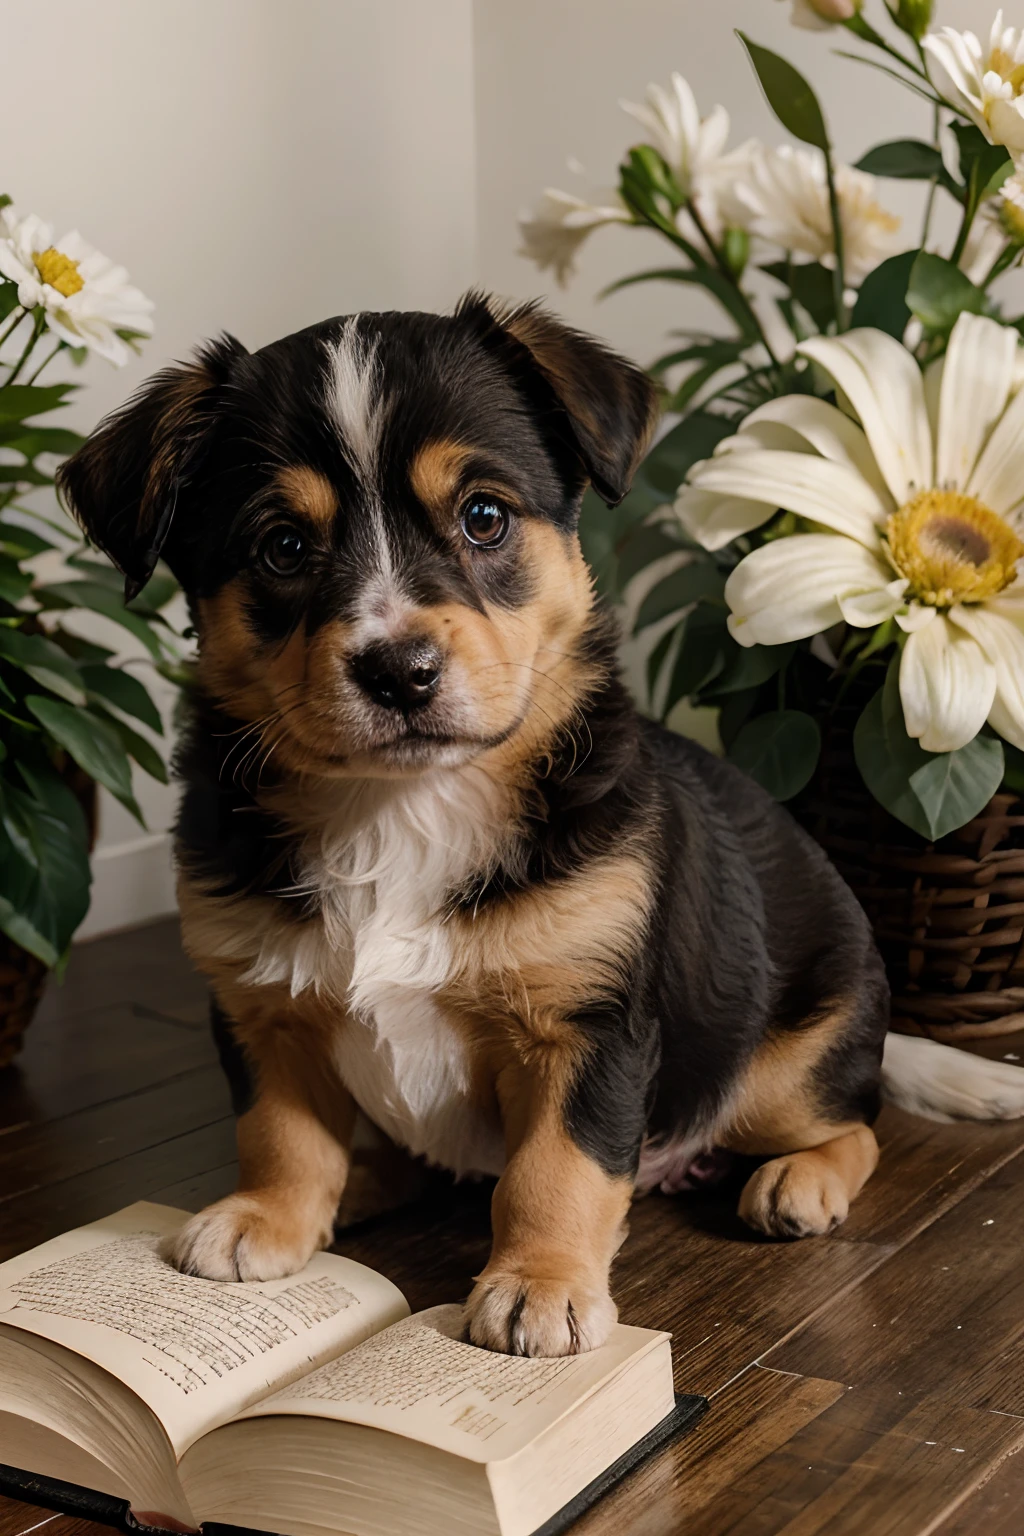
{"x":308,"y":492}
{"x":434,"y":474}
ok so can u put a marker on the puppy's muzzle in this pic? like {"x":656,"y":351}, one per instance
{"x":399,"y":674}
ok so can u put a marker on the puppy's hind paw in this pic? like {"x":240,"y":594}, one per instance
{"x":519,"y":1315}
{"x":245,"y":1237}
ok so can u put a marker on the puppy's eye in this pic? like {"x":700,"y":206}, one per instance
{"x":283,"y":551}
{"x":484,"y":523}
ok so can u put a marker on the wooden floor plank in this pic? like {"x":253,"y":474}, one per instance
{"x":944,"y":1314}
{"x":995,"y":1507}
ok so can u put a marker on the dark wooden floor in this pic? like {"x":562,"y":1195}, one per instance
{"x":866,"y":1384}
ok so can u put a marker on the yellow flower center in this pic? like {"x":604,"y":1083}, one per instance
{"x":59,"y":271}
{"x":952,"y":549}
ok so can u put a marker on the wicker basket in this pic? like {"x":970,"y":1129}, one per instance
{"x":948,"y":916}
{"x":22,"y":977}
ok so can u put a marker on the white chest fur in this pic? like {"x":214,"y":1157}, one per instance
{"x":382,"y":858}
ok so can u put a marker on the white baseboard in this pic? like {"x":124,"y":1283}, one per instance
{"x":132,"y":883}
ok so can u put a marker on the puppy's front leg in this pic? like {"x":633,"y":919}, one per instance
{"x":293,"y":1153}
{"x":558,"y":1220}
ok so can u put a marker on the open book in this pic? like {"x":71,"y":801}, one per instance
{"x":307,"y":1406}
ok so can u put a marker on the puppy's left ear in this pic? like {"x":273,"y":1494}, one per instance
{"x":128,"y":485}
{"x":610,"y":405}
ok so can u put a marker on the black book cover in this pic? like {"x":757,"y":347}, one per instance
{"x":87,"y":1505}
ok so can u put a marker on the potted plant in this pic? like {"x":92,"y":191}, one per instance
{"x":68,"y":706}
{"x":837,"y":508}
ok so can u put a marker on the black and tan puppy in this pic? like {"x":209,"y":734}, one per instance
{"x":432,"y":860}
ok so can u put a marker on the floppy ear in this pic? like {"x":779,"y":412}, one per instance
{"x":123,"y":485}
{"x":610,"y":404}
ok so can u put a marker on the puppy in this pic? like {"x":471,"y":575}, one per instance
{"x":434,"y":863}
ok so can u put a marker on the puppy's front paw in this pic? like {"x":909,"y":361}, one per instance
{"x":795,"y":1196}
{"x":246,"y":1237}
{"x":517,"y":1314}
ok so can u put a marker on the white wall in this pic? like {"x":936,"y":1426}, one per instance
{"x":257,"y":165}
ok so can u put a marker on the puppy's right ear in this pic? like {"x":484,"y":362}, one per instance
{"x":124,"y":484}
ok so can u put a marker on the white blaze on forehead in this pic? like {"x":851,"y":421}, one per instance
{"x":356,"y":401}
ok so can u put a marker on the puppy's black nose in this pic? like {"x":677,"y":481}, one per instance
{"x":399,"y":674}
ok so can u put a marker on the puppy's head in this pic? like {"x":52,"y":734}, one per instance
{"x":375,"y":523}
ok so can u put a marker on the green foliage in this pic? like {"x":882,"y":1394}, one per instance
{"x":882,"y":300}
{"x":64,"y":701}
{"x":788,"y":94}
{"x":780,"y":750}
{"x":938,"y":293}
{"x":931,"y":792}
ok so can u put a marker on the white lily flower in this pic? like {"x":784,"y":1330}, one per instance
{"x":986,"y":83}
{"x":86,"y":298}
{"x":786,"y":191}
{"x":920,"y":507}
{"x":817,"y":15}
{"x":553,"y":233}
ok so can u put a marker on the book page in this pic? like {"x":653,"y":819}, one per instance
{"x":196,"y":1351}
{"x":420,"y":1380}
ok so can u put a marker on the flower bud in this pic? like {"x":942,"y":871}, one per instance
{"x":736,"y":250}
{"x":914,"y":16}
{"x":817,"y":14}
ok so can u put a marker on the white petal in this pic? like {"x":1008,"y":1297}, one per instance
{"x":998,"y":478}
{"x":976,"y":384}
{"x":1003,"y":644}
{"x":816,"y":488}
{"x":828,"y":430}
{"x":947,"y":686}
{"x":866,"y":609}
{"x":790,"y":588}
{"x":883,"y":384}
{"x":916,"y":617}
{"x":714,"y":520}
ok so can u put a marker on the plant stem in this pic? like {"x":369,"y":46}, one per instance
{"x":865,"y":31}
{"x":728,"y":273}
{"x":18,"y":317}
{"x":838,"y":271}
{"x":1003,"y":261}
{"x":933,"y":186}
{"x":37,"y":331}
{"x":46,"y":360}
{"x":971,"y":204}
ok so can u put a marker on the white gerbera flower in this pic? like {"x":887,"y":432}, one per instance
{"x":999,"y":220}
{"x":817,"y":15}
{"x":86,"y":298}
{"x":553,"y":233}
{"x":786,"y":192}
{"x":923,"y":500}
{"x":986,"y":83}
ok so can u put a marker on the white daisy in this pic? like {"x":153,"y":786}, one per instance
{"x":786,"y":192}
{"x":553,"y":233}
{"x":999,"y":219}
{"x":816,"y":15}
{"x":986,"y":83}
{"x":694,"y":149}
{"x":86,"y":298}
{"x":923,"y":502}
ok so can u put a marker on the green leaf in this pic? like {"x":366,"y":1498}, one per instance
{"x":44,"y":662}
{"x":22,"y":542}
{"x":673,"y":456}
{"x":678,"y":590}
{"x":8,"y":293}
{"x":701,"y":653}
{"x":810,"y":283}
{"x":92,"y":742}
{"x":158,"y":592}
{"x":788,"y":94}
{"x":20,"y":401}
{"x":938,"y":293}
{"x":44,"y":895}
{"x":644,"y":545}
{"x":780,"y":750}
{"x":22,"y":474}
{"x":1013,"y":775}
{"x":979,"y":159}
{"x":114,"y":686}
{"x":905,"y":159}
{"x":882,"y":300}
{"x":933,"y":793}
{"x":33,"y":440}
{"x":14,"y":583}
{"x":99,"y":599}
{"x":137,"y":747}
{"x":748,"y":666}
{"x":714,"y":281}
